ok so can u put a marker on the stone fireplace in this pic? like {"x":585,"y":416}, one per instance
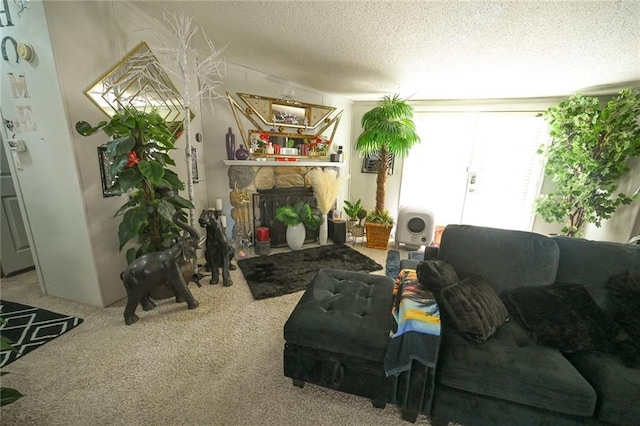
{"x":270,"y":187}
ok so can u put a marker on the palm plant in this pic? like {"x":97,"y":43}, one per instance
{"x":388,"y":132}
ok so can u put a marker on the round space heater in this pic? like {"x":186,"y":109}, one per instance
{"x":415,"y":226}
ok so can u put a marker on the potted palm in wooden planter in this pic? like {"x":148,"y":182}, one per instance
{"x":388,"y":132}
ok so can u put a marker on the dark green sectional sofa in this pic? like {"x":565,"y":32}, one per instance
{"x":511,"y":378}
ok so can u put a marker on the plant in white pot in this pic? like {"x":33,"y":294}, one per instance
{"x":298,"y":218}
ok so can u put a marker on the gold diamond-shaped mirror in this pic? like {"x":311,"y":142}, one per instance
{"x":138,"y":81}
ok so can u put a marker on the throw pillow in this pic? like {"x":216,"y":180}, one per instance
{"x":434,"y":275}
{"x":564,"y":317}
{"x":473,"y":307}
{"x":625,"y":290}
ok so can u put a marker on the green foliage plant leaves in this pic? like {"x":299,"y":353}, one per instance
{"x":351,"y":209}
{"x":388,"y":131}
{"x":587,"y":157}
{"x":139,"y":148}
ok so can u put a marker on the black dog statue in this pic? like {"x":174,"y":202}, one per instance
{"x":218,"y":252}
{"x":159,"y":268}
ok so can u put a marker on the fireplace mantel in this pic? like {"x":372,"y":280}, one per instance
{"x":253,"y":163}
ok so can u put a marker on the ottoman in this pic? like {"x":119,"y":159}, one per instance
{"x":338,"y":333}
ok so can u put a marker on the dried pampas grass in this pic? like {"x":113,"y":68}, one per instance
{"x":326,"y":185}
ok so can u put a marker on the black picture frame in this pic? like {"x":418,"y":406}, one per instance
{"x":107,"y":178}
{"x":370,"y":164}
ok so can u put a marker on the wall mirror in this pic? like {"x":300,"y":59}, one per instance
{"x":285,"y":122}
{"x":286,"y":112}
{"x":138,"y":81}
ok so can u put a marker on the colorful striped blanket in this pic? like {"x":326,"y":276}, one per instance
{"x":417,"y":335}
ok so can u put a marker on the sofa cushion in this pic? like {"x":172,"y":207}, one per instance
{"x":564,"y":317}
{"x":513,"y":367}
{"x":617,"y":386}
{"x":473,"y":308}
{"x":505,"y":258}
{"x":434,"y":275}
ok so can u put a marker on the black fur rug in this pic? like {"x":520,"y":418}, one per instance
{"x":284,"y":273}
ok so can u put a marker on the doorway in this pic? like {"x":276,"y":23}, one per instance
{"x":15,"y":252}
{"x":476,"y":168}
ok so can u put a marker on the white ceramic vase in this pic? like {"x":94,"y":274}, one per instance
{"x":324,"y":231}
{"x":295,"y":236}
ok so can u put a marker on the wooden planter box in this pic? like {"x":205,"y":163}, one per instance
{"x":377,"y":235}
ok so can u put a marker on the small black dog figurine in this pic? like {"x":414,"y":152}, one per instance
{"x":218,"y":252}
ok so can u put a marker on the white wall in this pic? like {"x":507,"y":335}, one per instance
{"x":89,"y":38}
{"x":49,"y":181}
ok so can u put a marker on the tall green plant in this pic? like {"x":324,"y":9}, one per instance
{"x":139,"y":149}
{"x":388,"y":132}
{"x":587,"y":157}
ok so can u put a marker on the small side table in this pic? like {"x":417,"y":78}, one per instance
{"x":337,"y":230}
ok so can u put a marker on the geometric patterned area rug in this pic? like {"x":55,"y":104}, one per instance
{"x":28,"y":328}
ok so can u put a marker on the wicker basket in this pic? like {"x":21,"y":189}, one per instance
{"x":377,"y":235}
{"x":357,"y":230}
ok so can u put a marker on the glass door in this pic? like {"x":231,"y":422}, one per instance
{"x":476,"y":168}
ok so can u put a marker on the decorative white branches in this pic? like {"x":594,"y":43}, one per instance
{"x":206,"y":71}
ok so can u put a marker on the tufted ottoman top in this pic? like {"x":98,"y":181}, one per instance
{"x":348,"y":313}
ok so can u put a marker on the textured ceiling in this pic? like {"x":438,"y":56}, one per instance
{"x":427,"y":49}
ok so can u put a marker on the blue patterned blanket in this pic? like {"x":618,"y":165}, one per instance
{"x":417,"y":317}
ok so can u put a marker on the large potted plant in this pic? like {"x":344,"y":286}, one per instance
{"x":388,"y":132}
{"x":139,"y":149}
{"x":298,"y":218}
{"x":587,"y":157}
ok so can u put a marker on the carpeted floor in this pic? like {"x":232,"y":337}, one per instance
{"x":219,"y":364}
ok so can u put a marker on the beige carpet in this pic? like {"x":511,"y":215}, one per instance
{"x":219,"y":364}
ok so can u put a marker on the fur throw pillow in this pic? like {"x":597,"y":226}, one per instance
{"x":473,"y":307}
{"x":564,"y":317}
{"x":434,"y":275}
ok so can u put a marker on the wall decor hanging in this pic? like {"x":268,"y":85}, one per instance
{"x":285,"y":128}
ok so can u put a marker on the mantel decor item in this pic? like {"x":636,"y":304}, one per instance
{"x":241,"y":153}
{"x":230,"y":144}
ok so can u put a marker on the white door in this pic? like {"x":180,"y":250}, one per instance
{"x":505,"y":171}
{"x":15,"y":253}
{"x":476,"y":168}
